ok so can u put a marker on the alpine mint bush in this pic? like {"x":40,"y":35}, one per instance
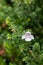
{"x":21,"y":32}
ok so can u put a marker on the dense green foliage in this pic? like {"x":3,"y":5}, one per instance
{"x":16,"y":18}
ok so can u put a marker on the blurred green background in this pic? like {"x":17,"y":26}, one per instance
{"x":17,"y":17}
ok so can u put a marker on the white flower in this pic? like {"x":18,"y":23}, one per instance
{"x":28,"y":36}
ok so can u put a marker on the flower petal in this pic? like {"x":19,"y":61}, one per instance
{"x":27,"y":39}
{"x":23,"y":37}
{"x":32,"y":37}
{"x":28,"y":33}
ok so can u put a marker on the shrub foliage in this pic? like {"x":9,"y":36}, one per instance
{"x":16,"y":18}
